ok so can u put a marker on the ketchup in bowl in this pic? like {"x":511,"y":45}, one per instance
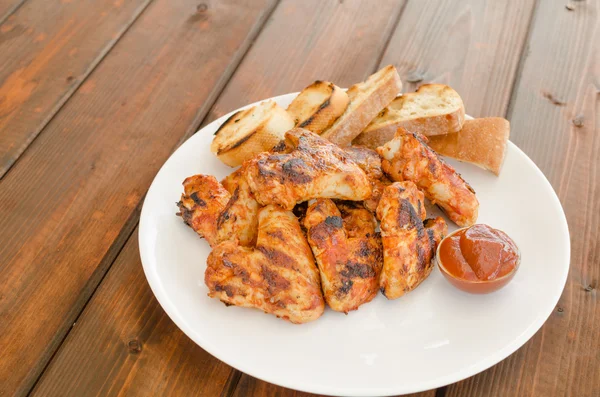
{"x":478,"y":259}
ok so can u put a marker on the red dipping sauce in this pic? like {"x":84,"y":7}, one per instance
{"x":478,"y":259}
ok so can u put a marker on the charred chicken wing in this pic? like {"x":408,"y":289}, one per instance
{"x":217,"y":214}
{"x":348,"y":253}
{"x":278,"y":276}
{"x":408,"y":244}
{"x":305,"y":167}
{"x":408,"y":158}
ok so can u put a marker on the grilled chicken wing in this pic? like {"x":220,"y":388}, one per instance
{"x":377,"y":186}
{"x":279,"y":276}
{"x":370,"y":162}
{"x":217,"y":214}
{"x":310,"y":167}
{"x":367,"y":159}
{"x":408,"y":244}
{"x":407,"y":157}
{"x":348,"y":253}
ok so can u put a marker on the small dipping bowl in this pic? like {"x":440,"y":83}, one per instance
{"x":475,"y":286}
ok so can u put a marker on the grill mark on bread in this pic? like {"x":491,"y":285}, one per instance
{"x":321,"y":107}
{"x":237,"y":144}
{"x":227,"y":122}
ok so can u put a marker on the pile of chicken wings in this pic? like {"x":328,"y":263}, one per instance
{"x":296,"y":227}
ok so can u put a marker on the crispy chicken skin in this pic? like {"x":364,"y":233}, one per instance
{"x":377,"y":186}
{"x":231,"y":181}
{"x":367,"y":159}
{"x":311,"y":167}
{"x":408,"y":244}
{"x":347,"y":250}
{"x":201,"y":203}
{"x":219,"y":215}
{"x":407,"y":157}
{"x":370,"y":162}
{"x":278,"y":276}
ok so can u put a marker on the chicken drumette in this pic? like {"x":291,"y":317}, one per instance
{"x":409,"y":245}
{"x":347,"y":250}
{"x":278,"y":276}
{"x":218,"y":214}
{"x":408,"y":158}
{"x":305,"y":166}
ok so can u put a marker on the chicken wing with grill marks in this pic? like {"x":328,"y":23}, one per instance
{"x":408,"y":158}
{"x":348,"y":252}
{"x":408,"y":244}
{"x":217,"y":214}
{"x":367,"y":159}
{"x":370,"y":162}
{"x":310,"y":168}
{"x":278,"y":276}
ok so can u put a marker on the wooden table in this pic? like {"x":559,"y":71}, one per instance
{"x":96,"y":94}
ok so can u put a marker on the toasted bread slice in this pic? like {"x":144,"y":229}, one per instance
{"x":434,"y":109}
{"x":481,"y":142}
{"x":318,"y":106}
{"x":251,"y":131}
{"x":367,"y":99}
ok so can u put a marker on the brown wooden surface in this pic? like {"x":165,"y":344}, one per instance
{"x":61,"y":223}
{"x":71,"y":200}
{"x":8,"y":7}
{"x":474,"y":46}
{"x":124,"y":344}
{"x":48,"y":48}
{"x":559,"y":87}
{"x":303,"y":41}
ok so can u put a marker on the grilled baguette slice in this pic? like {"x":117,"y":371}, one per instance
{"x":481,"y":142}
{"x":367,"y":99}
{"x":318,"y":106}
{"x":249,"y":132}
{"x":434,"y":109}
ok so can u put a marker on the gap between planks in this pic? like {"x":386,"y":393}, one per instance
{"x":69,"y":93}
{"x":130,"y":225}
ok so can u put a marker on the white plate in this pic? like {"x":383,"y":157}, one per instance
{"x":433,"y":336}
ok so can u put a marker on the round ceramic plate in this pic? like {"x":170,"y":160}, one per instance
{"x":431,"y":337}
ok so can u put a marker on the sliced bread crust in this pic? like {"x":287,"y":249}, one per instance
{"x":367,"y":99}
{"x":318,"y":106}
{"x":434,"y":109}
{"x":481,"y":142}
{"x":251,"y":131}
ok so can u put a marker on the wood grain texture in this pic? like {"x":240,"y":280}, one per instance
{"x":473,"y":45}
{"x":8,"y":7}
{"x":555,"y":119}
{"x":69,"y":204}
{"x":249,"y":386}
{"x":48,"y":49}
{"x":125,"y":344}
{"x":309,"y":40}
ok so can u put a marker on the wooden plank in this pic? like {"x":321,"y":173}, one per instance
{"x":8,"y":7}
{"x":309,"y":40}
{"x":48,"y":49}
{"x":555,"y":120}
{"x":125,"y":344}
{"x":69,"y":204}
{"x":474,"y":46}
{"x":249,"y":386}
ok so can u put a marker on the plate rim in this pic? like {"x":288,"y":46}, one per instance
{"x":487,"y":362}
